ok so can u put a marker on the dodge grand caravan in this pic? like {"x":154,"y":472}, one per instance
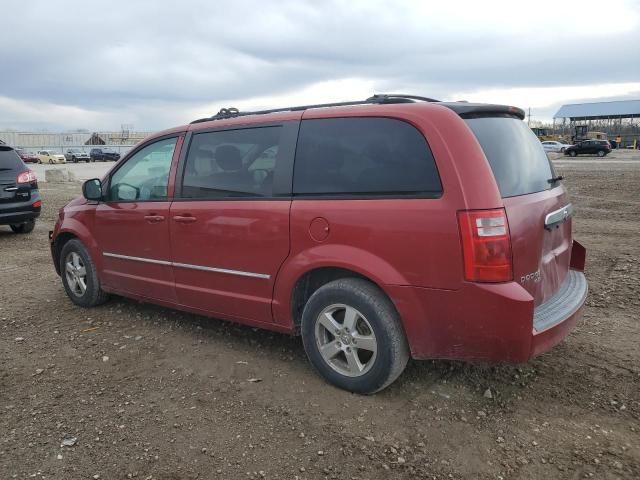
{"x":378,"y":230}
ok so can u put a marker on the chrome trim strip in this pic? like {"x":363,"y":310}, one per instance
{"x":558,"y":216}
{"x":137,"y":259}
{"x":187,"y":265}
{"x":222,"y":270}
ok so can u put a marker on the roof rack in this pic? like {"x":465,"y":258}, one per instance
{"x":383,"y":98}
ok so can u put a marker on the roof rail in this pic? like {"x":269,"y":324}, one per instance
{"x":384,"y":98}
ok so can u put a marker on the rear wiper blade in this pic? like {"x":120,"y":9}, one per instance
{"x":553,"y":180}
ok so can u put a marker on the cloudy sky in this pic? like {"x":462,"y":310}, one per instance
{"x":97,"y":65}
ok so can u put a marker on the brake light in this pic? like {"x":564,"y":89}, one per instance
{"x":26,"y":177}
{"x":37,"y":204}
{"x":486,"y":245}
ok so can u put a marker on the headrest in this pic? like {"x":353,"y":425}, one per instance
{"x":228,"y":158}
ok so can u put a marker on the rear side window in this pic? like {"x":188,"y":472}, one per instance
{"x":518,"y":160}
{"x":9,"y":159}
{"x":363,"y":156}
{"x":232,"y":163}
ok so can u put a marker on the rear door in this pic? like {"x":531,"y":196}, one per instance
{"x":230,"y":219}
{"x":537,"y":207}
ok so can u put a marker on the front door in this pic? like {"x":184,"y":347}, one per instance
{"x":230,"y":220}
{"x":132,"y":225}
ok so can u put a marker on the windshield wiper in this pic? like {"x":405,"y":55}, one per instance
{"x":553,"y":180}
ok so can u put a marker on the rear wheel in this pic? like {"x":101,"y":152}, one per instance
{"x":26,"y":227}
{"x":562,"y":150}
{"x":353,"y":336}
{"x":50,"y":162}
{"x":79,"y":275}
{"x":573,"y":153}
{"x":601,"y":153}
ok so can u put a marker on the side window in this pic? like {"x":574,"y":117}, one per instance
{"x":363,"y":156}
{"x":145,"y":175}
{"x":232,"y":163}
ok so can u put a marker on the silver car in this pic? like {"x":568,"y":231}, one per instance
{"x":553,"y":146}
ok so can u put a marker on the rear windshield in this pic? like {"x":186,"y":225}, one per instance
{"x":517,"y":158}
{"x":9,"y":159}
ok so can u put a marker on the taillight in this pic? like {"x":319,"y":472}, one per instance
{"x":486,"y":245}
{"x":26,"y":177}
{"x":37,"y":204}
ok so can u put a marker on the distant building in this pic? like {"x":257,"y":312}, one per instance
{"x":64,"y":140}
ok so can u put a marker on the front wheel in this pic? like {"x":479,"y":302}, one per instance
{"x":562,"y":150}
{"x":50,"y":162}
{"x":80,"y":276}
{"x":573,"y":153}
{"x":26,"y":227}
{"x":353,"y":336}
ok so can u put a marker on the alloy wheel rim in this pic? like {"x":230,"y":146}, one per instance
{"x":345,"y":340}
{"x":76,"y":273}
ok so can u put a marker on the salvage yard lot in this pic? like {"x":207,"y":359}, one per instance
{"x":147,"y":392}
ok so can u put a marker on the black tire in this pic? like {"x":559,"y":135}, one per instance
{"x":562,"y":150}
{"x":74,"y":159}
{"x":379,"y":313}
{"x":573,"y":153}
{"x":26,"y":227}
{"x":601,"y":153}
{"x":93,"y":294}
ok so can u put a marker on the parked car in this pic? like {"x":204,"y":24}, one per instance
{"x":49,"y":156}
{"x":103,"y":154}
{"x":76,"y":155}
{"x":408,"y":227}
{"x":27,"y":157}
{"x":593,"y":147}
{"x":553,"y":146}
{"x":20,"y":201}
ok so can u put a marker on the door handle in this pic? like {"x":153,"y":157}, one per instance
{"x":154,"y":218}
{"x":184,"y":218}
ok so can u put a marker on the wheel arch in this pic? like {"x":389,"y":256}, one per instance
{"x":298,"y":279}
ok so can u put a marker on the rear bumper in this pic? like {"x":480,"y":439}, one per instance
{"x":19,"y":212}
{"x":489,"y":322}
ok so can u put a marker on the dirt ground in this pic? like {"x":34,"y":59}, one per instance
{"x":145,"y":392}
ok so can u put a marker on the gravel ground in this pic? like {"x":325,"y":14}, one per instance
{"x":130,"y":390}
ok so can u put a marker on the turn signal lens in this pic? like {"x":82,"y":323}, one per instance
{"x":486,"y":245}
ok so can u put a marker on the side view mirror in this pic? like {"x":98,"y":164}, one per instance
{"x":92,"y":189}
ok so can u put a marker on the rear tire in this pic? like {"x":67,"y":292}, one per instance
{"x":80,"y":276}
{"x":573,"y":153}
{"x":601,"y":153}
{"x":26,"y":227}
{"x":353,"y":337}
{"x":562,"y":150}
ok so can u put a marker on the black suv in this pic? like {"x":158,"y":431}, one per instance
{"x":103,"y":154}
{"x":594,"y":147}
{"x":20,"y":201}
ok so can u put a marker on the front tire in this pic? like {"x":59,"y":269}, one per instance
{"x":572,"y":153}
{"x":562,"y":150}
{"x":80,"y":276}
{"x":26,"y":227}
{"x":353,"y":336}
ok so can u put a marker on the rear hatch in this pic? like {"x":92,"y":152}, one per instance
{"x":532,"y":195}
{"x":10,"y":166}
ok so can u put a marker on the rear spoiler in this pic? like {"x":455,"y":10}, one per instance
{"x":471,"y":110}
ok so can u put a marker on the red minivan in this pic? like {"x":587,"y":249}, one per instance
{"x":378,"y":230}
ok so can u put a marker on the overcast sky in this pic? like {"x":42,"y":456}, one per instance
{"x":155,"y":64}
